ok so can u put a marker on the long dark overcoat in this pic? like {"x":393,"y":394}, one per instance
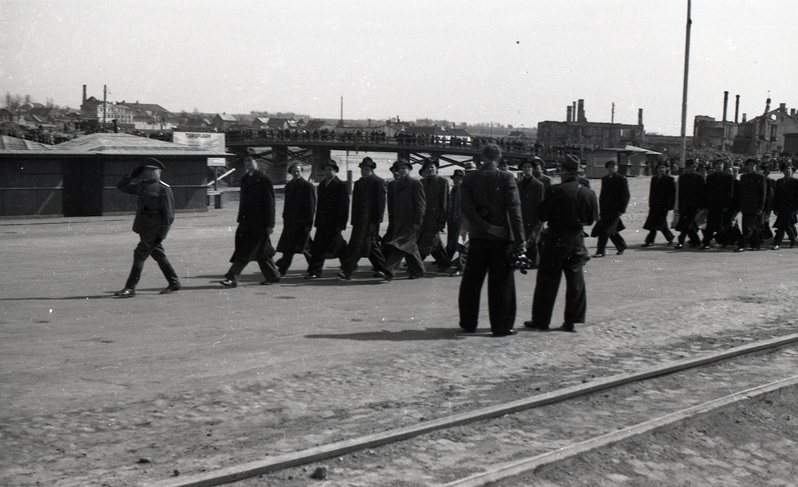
{"x":436,"y":193}
{"x":406,"y":206}
{"x":256,"y":215}
{"x":531,"y":191}
{"x":661,"y":199}
{"x":368,"y":208}
{"x":613,"y":200}
{"x":298,"y":210}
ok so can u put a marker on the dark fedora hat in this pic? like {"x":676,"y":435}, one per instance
{"x":368,"y":162}
{"x":570,"y":164}
{"x":401,"y":162}
{"x":458,"y":173}
{"x":330,"y":163}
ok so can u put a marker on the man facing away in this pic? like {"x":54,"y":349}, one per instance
{"x":492,"y":207}
{"x":256,"y":216}
{"x":155,"y":213}
{"x":567,"y":208}
{"x":368,"y":210}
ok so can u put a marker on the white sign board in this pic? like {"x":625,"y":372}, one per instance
{"x":210,"y":141}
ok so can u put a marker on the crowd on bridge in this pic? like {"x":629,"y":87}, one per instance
{"x":494,"y":222}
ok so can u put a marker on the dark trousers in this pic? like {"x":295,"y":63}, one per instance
{"x":752,"y":231}
{"x":352,"y":255}
{"x":415,"y":265}
{"x":718,"y":226}
{"x":324,"y":242}
{"x":150,"y":245}
{"x":784,"y":224}
{"x":687,"y":227}
{"x":652,"y":234}
{"x":488,"y":257}
{"x":284,"y":262}
{"x":555,"y":261}
{"x":617,"y":240}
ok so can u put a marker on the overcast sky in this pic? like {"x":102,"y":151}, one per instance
{"x":511,"y":62}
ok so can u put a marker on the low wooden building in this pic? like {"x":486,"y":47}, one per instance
{"x":79,"y":177}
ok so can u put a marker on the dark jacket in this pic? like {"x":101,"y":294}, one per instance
{"x":719,"y":190}
{"x":567,"y":208}
{"x":436,"y":193}
{"x":613,"y":200}
{"x":256,"y":206}
{"x":298,"y":209}
{"x":691,"y":191}
{"x":753,"y":193}
{"x":785,"y":195}
{"x":531,"y":192}
{"x":155,"y":205}
{"x":492,"y":205}
{"x":332,"y":207}
{"x":368,"y":208}
{"x":406,"y":206}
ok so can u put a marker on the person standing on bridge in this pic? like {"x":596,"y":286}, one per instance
{"x":255,"y":225}
{"x":332,"y":213}
{"x":155,"y":213}
{"x":298,"y":209}
{"x":368,"y":210}
{"x":436,"y":193}
{"x":406,"y":205}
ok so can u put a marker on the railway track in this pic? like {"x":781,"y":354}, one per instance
{"x":518,"y":436}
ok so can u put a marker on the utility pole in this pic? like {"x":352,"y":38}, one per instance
{"x":684,"y":89}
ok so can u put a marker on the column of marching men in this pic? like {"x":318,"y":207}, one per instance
{"x":490,"y":217}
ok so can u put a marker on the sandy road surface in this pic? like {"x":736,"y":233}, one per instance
{"x":101,"y":391}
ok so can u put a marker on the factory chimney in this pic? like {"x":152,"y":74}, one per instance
{"x":736,"y":108}
{"x":640,"y":116}
{"x":767,"y":105}
{"x":580,"y":115}
{"x":569,"y":113}
{"x":84,"y":95}
{"x":744,"y":117}
{"x":725,"y":104}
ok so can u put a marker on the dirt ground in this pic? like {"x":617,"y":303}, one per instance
{"x":102,"y":391}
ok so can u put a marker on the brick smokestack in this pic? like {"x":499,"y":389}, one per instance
{"x":84,"y":95}
{"x":569,"y":113}
{"x":580,"y":114}
{"x":725,"y":104}
{"x":736,"y":108}
{"x":639,"y":116}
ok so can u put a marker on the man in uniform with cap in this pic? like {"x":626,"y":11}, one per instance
{"x":720,"y":198}
{"x":155,"y":213}
{"x":492,"y":207}
{"x":661,"y":198}
{"x":332,"y":213}
{"x":613,"y":200}
{"x":567,"y":208}
{"x":691,"y":201}
{"x":436,"y":193}
{"x":406,"y":205}
{"x":532,"y":192}
{"x":368,"y":210}
{"x":298,"y":209}
{"x":256,"y":217}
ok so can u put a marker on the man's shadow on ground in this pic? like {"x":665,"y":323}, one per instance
{"x":406,"y":335}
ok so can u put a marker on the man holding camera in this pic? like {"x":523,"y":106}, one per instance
{"x":492,"y":206}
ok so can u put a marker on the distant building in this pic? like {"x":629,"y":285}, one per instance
{"x":7,"y":115}
{"x":765,"y":134}
{"x":222,"y":121}
{"x":577,"y":131}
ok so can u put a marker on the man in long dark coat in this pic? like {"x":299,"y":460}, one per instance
{"x":256,"y":217}
{"x":532,"y":192}
{"x":767,"y":231}
{"x":332,"y":212}
{"x":368,"y":210}
{"x":785,"y":205}
{"x":537,"y":170}
{"x":719,"y":194}
{"x":567,"y":208}
{"x":436,"y":193}
{"x":454,"y":222}
{"x":613,"y":200}
{"x":155,"y":213}
{"x":406,"y":206}
{"x":751,"y":200}
{"x":691,"y":201}
{"x":661,"y":198}
{"x":492,"y":206}
{"x":298,"y":209}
